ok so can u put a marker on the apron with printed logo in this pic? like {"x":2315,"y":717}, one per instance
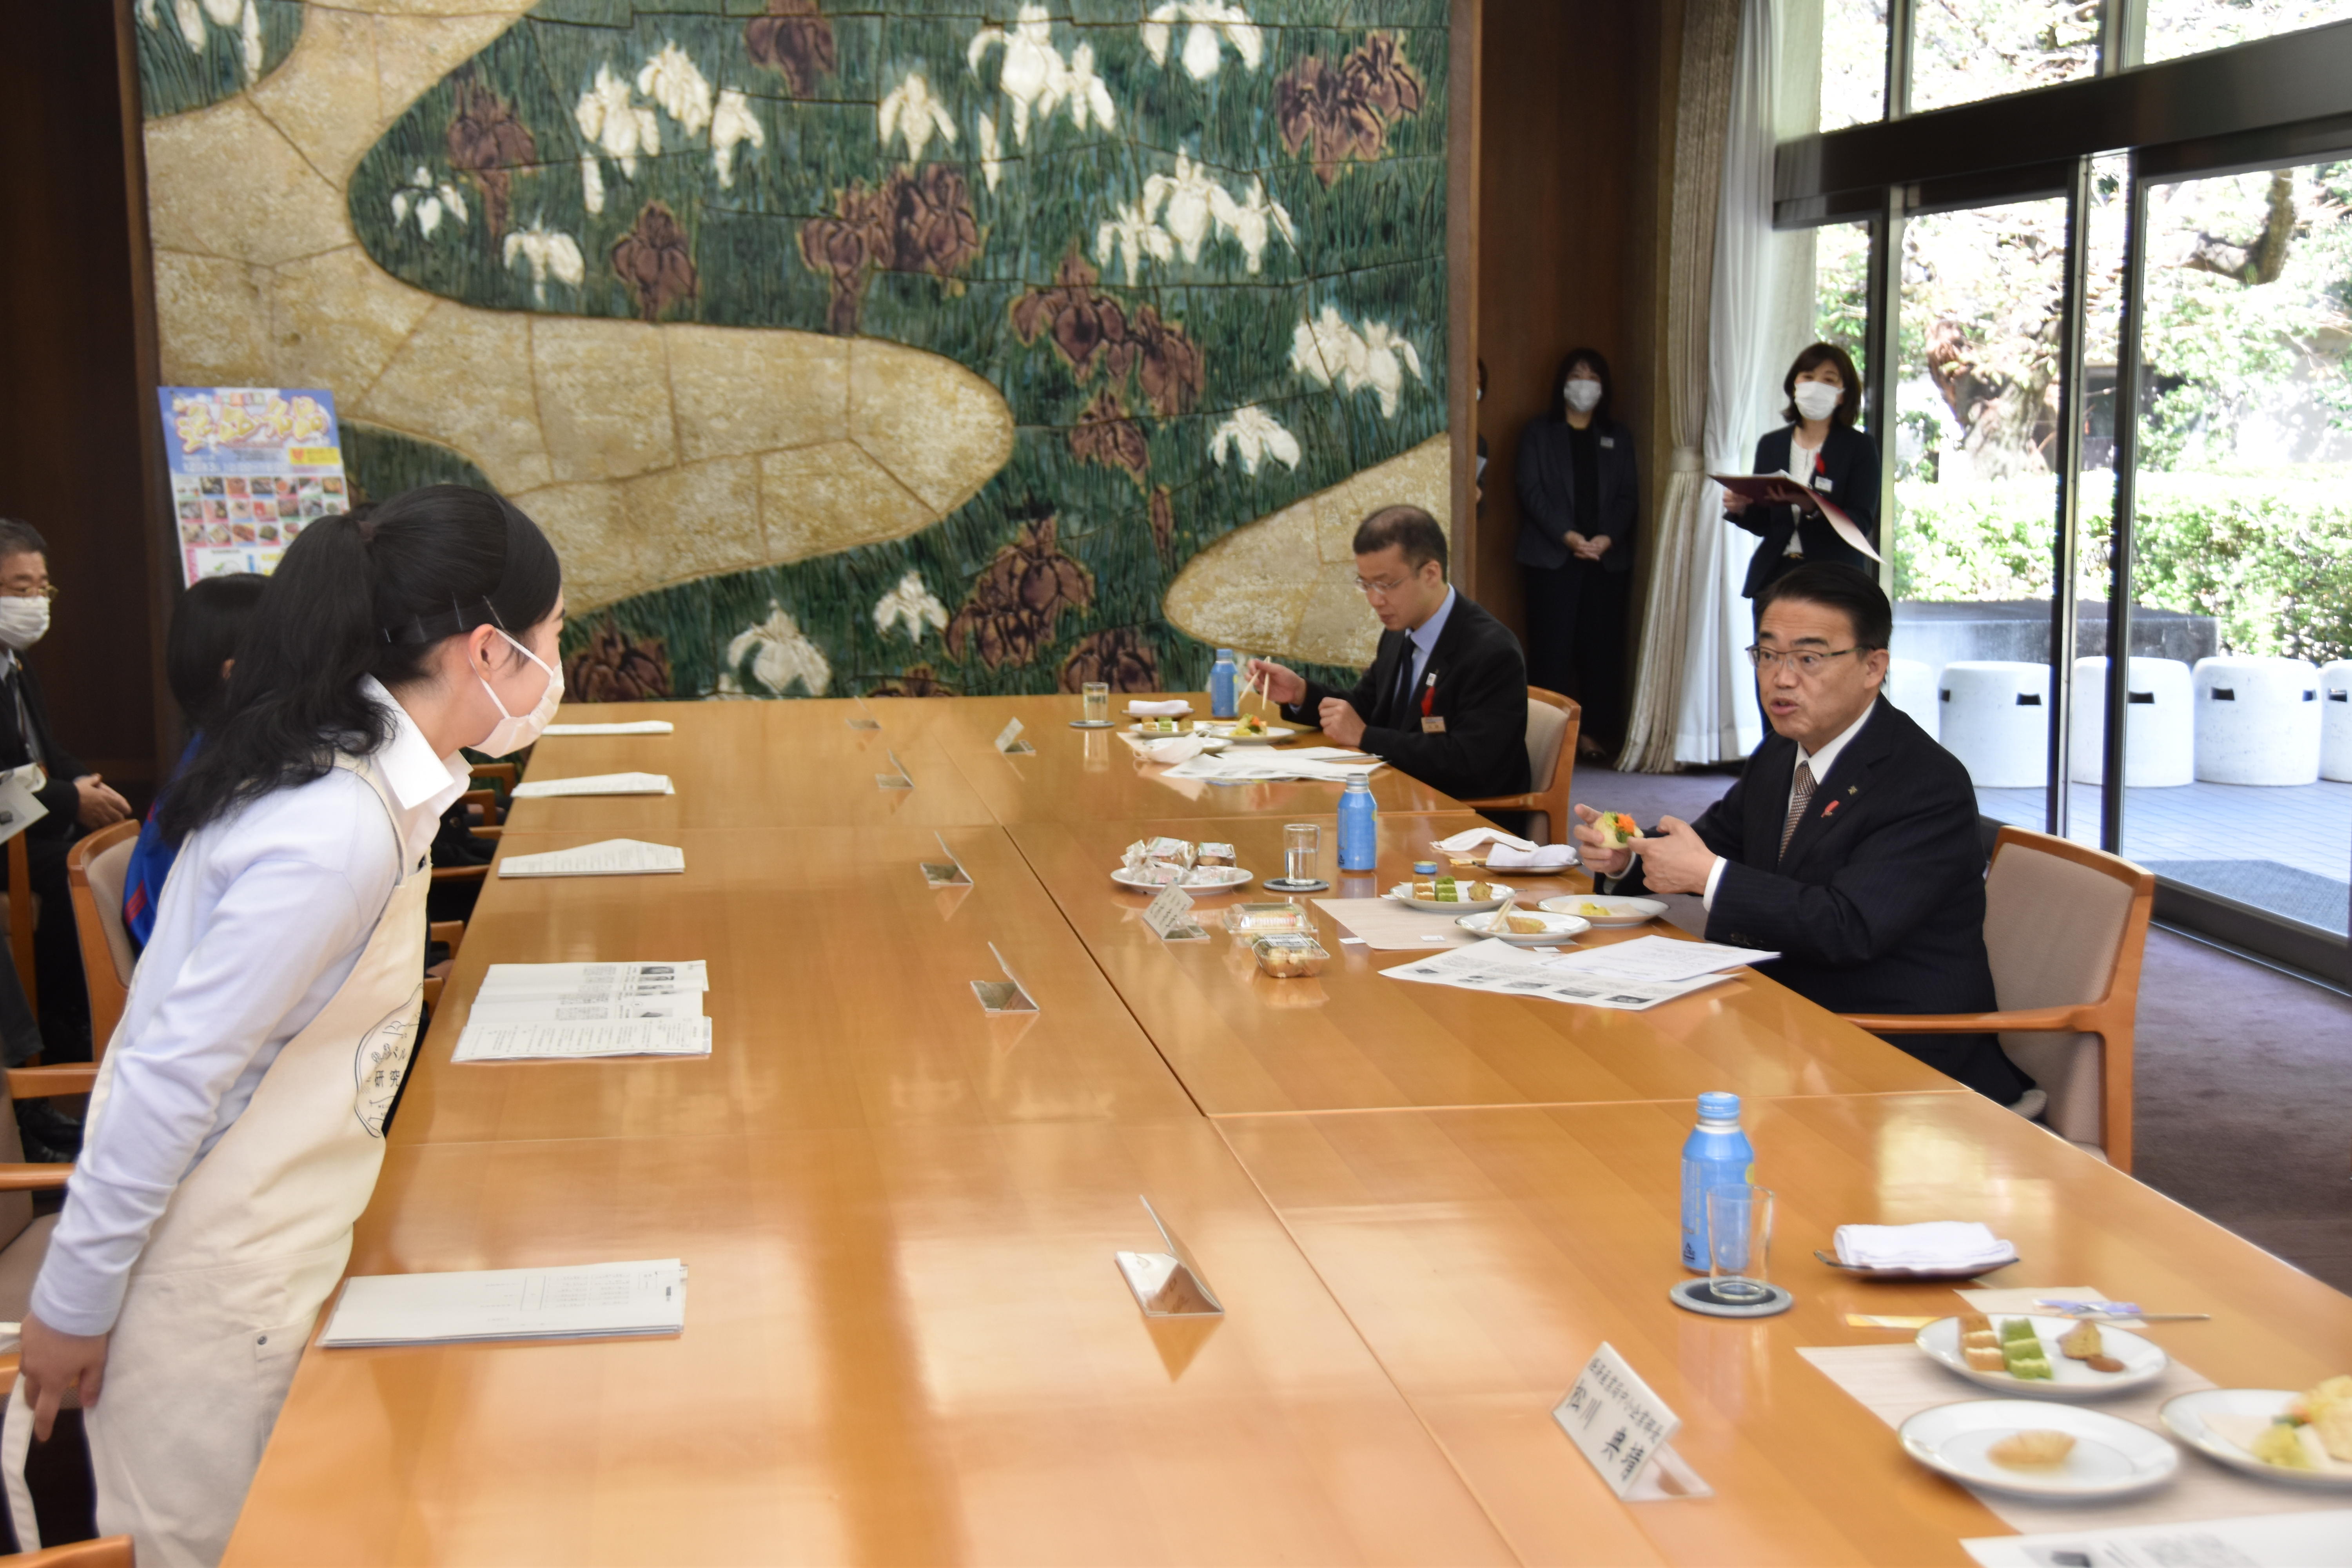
{"x":225,"y":1294}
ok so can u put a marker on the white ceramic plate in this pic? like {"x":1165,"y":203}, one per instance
{"x":1969,"y":1271}
{"x":1557,"y":929}
{"x":2190,"y":1414}
{"x":1623,"y":911}
{"x":1200,"y":880}
{"x":1275,"y":734}
{"x":2144,"y":1362}
{"x":1403,"y":893}
{"x":2111,"y":1457}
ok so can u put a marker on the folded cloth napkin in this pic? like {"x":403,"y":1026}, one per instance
{"x":1938,"y":1244}
{"x":1543,"y":858}
{"x":1470,"y":838}
{"x":1175,"y":709}
{"x":1174,"y":749}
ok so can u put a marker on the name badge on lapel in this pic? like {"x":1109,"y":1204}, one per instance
{"x":1824,"y":482}
{"x":1609,"y":440}
{"x":1430,"y":724}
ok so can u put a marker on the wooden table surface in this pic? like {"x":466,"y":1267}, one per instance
{"x":1352,"y":1039}
{"x":907,"y":1340}
{"x":1483,"y":1255}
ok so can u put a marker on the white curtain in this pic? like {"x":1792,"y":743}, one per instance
{"x":1760,"y":315}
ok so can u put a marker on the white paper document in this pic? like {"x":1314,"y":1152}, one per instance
{"x":595,"y":784}
{"x":583,"y":1301}
{"x":1266,"y":764}
{"x":2321,"y":1538}
{"x":1659,"y":958}
{"x":19,"y":808}
{"x":579,"y":1007}
{"x":496,"y":1042}
{"x":610,"y":858}
{"x":633,"y":727}
{"x":1498,"y":966}
{"x":611,"y":979}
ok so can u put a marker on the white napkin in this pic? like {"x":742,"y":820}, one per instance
{"x":1544,"y":858}
{"x":1158,"y":710}
{"x":1174,"y":749}
{"x":1938,"y":1244}
{"x":1470,"y":838}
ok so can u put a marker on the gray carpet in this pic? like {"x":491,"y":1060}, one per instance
{"x":2244,"y":1074}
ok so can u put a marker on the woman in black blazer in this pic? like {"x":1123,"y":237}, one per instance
{"x":1818,"y":444}
{"x":1579,"y":492}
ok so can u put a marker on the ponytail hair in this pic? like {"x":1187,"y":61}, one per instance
{"x":372,"y":592}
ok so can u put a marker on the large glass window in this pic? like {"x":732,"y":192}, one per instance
{"x":1854,"y":62}
{"x":2243,"y":565}
{"x":1841,"y":289}
{"x":1963,"y":50}
{"x":2177,"y":27}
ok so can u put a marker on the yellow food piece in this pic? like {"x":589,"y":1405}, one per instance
{"x":1984,"y":1358}
{"x":1591,"y":910}
{"x":2033,"y":1450}
{"x":2082,"y":1342}
{"x":2281,"y":1445}
{"x":1527,"y":925}
{"x":1974,"y":1324}
{"x":2328,"y":1408}
{"x":1981,"y":1339}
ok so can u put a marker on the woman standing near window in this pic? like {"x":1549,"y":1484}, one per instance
{"x":1578,"y":493}
{"x":1819,"y":446}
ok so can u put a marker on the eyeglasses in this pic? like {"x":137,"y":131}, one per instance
{"x":1806,"y":663}
{"x":14,"y":591}
{"x":1379,"y":590}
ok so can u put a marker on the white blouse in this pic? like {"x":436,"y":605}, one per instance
{"x":263,"y":916}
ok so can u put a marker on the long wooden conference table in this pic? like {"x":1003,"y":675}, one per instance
{"x":1422,"y":1210}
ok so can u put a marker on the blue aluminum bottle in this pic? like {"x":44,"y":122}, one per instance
{"x":1716,"y":1153}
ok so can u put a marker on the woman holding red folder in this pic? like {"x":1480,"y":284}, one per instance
{"x":1838,"y":462}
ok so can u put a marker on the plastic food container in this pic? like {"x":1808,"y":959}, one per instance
{"x":1252,"y":919}
{"x":1290,"y":955}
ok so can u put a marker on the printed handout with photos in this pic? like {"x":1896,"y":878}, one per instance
{"x":251,"y":466}
{"x":1498,"y":966}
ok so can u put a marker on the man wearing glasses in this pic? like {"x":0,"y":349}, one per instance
{"x":1849,"y":845}
{"x":1446,"y":697}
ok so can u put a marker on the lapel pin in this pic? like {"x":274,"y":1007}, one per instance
{"x":1831,"y":810}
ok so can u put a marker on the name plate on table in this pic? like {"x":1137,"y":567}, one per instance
{"x":949,"y":873}
{"x":1624,"y":1430}
{"x":1005,"y":995}
{"x":901,"y":779}
{"x":1009,"y":741}
{"x":1169,"y":916}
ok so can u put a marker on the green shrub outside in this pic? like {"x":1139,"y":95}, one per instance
{"x":2267,"y":554}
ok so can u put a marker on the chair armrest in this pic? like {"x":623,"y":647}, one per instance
{"x":460,"y":873}
{"x":2072,"y":1020}
{"x":35,"y":1083}
{"x":1507,"y":803}
{"x":480,"y":831}
{"x":33,"y":1178}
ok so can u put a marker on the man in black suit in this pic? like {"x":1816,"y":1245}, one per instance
{"x":75,"y":798}
{"x":1446,"y":697}
{"x":1849,"y":846}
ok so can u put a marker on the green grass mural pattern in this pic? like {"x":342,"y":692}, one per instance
{"x":1361,"y":86}
{"x":190,"y":57}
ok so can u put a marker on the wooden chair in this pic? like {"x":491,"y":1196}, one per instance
{"x":505,"y":775}
{"x":96,"y":867}
{"x":2066,"y":928}
{"x":24,"y":1236}
{"x":453,"y":933}
{"x":1552,"y":723}
{"x":23,"y":915}
{"x":106,"y":1551}
{"x":485,"y":801}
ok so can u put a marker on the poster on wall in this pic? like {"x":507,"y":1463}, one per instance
{"x":251,"y":467}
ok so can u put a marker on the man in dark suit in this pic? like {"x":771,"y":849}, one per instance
{"x":75,"y":798}
{"x":1445,"y":699}
{"x":1849,"y":846}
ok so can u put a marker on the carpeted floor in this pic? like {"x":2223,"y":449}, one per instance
{"x":2244,"y":1074}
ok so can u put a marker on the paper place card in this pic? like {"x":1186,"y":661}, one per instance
{"x":630,"y":727}
{"x":613,"y":979}
{"x":947,"y":873}
{"x":901,"y":779}
{"x":1625,"y":1429}
{"x":595,"y":784}
{"x":610,"y":858}
{"x":1169,"y":916}
{"x":494,"y":1042}
{"x":1009,"y":741}
{"x":584,"y":1300}
{"x":1005,"y":995}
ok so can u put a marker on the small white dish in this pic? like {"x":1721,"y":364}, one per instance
{"x":1896,"y":1272}
{"x":1403,"y":893}
{"x":1557,"y":929}
{"x":1623,"y":911}
{"x":2201,"y":1419}
{"x":1200,"y":879}
{"x":1275,"y":734}
{"x":2111,"y":1457}
{"x":2144,"y":1361}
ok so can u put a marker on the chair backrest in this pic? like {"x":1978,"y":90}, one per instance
{"x":15,"y":1208}
{"x":2065,"y":925}
{"x":1546,"y":727}
{"x":96,"y":869}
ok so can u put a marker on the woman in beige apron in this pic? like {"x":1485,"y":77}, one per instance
{"x":237,"y":1125}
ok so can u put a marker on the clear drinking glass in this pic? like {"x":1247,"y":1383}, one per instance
{"x":1739,"y":1242}
{"x":1301,"y":841}
{"x":1097,"y":700}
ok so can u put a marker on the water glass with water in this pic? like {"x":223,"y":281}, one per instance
{"x":1097,"y":701}
{"x":1301,"y":842}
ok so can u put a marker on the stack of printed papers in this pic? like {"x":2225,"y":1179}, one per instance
{"x":526,"y":1010}
{"x":1261,"y":764}
{"x":588,"y":1300}
{"x":1585,"y":976}
{"x":610,"y":858}
{"x":597,"y":783}
{"x":630,"y":727}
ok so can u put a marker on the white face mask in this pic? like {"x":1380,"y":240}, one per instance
{"x":1584,"y":396}
{"x":1818,"y":399}
{"x":22,"y":622}
{"x":513,"y":731}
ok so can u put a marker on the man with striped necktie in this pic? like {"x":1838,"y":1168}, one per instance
{"x":1849,"y":846}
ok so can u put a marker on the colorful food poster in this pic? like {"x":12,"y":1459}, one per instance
{"x":252,"y":467}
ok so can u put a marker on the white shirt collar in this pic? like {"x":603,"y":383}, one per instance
{"x":420,"y":781}
{"x":1826,"y":758}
